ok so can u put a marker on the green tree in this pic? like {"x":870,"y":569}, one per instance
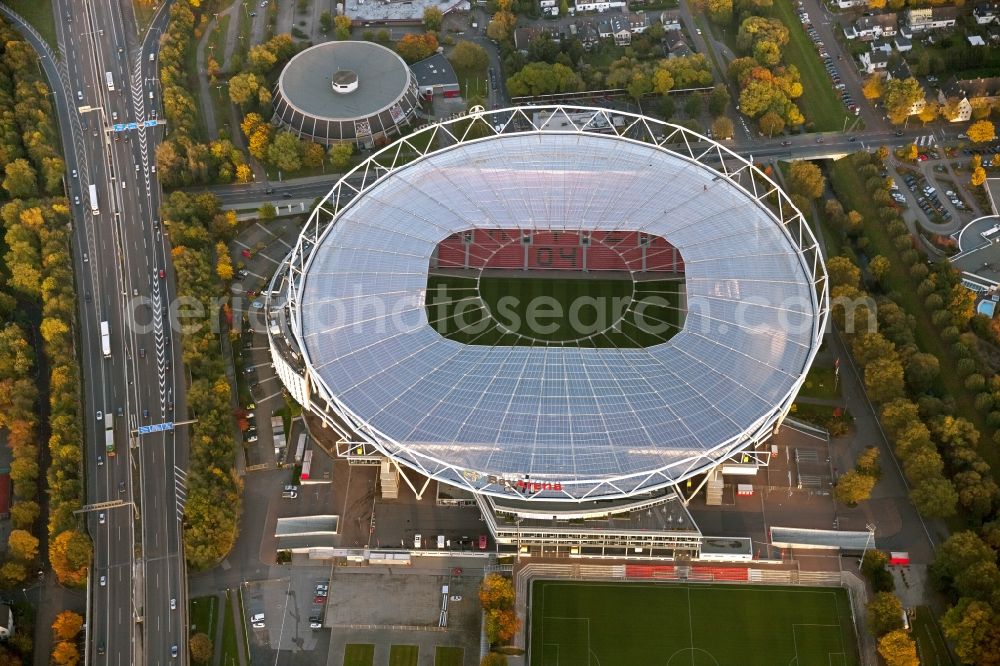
{"x":285,"y":152}
{"x":974,"y":629}
{"x":325,"y":22}
{"x":19,"y":180}
{"x":720,"y":11}
{"x":433,"y":18}
{"x":722,"y":128}
{"x":541,"y":78}
{"x":898,"y":649}
{"x":342,"y":27}
{"x":843,"y":271}
{"x":806,"y":179}
{"x":24,"y":513}
{"x":692,"y":105}
{"x":313,"y":155}
{"x":718,"y":100}
{"x":935,"y":498}
{"x":879,"y":267}
{"x":854,"y":487}
{"x":771,"y":123}
{"x":922,"y":371}
{"x":340,"y":155}
{"x":469,"y":56}
{"x":900,"y":97}
{"x":501,"y":26}
{"x":884,"y":380}
{"x":266,"y":212}
{"x":22,"y":545}
{"x":884,"y":613}
{"x":69,"y":555}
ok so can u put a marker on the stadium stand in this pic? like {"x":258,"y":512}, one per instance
{"x":650,"y":571}
{"x":720,"y":573}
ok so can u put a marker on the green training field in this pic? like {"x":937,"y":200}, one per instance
{"x":614,"y":624}
{"x":526,"y":310}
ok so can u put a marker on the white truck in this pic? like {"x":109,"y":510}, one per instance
{"x":94,"y":208}
{"x":105,"y":339}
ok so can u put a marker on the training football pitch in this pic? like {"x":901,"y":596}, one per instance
{"x":676,"y":624}
{"x":561,"y":309}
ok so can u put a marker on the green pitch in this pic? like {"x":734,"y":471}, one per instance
{"x":612,"y":624}
{"x":518,"y":309}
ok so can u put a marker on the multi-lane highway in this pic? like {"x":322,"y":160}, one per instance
{"x":138,"y":609}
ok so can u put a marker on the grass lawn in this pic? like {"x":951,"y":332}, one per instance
{"x":230,"y":654}
{"x":217,"y":42}
{"x":474,"y":82}
{"x":496,"y":309}
{"x":819,"y":102}
{"x":203,"y":612}
{"x":448,"y":656}
{"x":581,"y":624}
{"x":820,"y":383}
{"x":403,"y":655}
{"x":144,"y":13}
{"x":359,"y":654}
{"x":930,"y":643}
{"x":852,"y":194}
{"x":39,"y":15}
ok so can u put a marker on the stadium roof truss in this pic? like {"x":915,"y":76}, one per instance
{"x":481,"y":126}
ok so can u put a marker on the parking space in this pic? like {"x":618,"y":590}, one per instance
{"x":280,"y":615}
{"x":447,"y":528}
{"x":829,"y":63}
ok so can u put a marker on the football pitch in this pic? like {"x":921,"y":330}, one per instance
{"x":570,"y":309}
{"x":677,"y":624}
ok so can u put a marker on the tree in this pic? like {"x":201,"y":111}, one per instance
{"x":243,"y":173}
{"x":313,"y":155}
{"x":884,"y":613}
{"x":501,"y":625}
{"x":900,"y":97}
{"x":854,"y":487}
{"x":20,"y":180}
{"x":563,"y":8}
{"x":12,"y":573}
{"x":930,"y":112}
{"x":66,"y":654}
{"x":496,"y":591}
{"x":22,"y":545}
{"x":342,"y":27}
{"x":718,"y":100}
{"x":842,"y":271}
{"x":325,"y":22}
{"x":910,"y":152}
{"x":266,"y":212}
{"x":959,"y":552}
{"x":201,"y":648}
{"x":951,"y":109}
{"x":243,"y":88}
{"x":806,"y":179}
{"x":469,"y":56}
{"x":898,"y":649}
{"x":413,"y":47}
{"x":67,"y":625}
{"x":285,"y":152}
{"x":540,"y":78}
{"x":922,"y":371}
{"x":879,"y":267}
{"x":884,"y":380}
{"x":261,"y":59}
{"x":493,"y":659}
{"x":501,"y":26}
{"x":978,"y":177}
{"x":433,"y":18}
{"x":722,"y":128}
{"x":874,"y":86}
{"x":720,"y":11}
{"x":981,"y":131}
{"x":867,"y":462}
{"x":974,"y":629}
{"x":69,"y":554}
{"x":340,"y":155}
{"x":24,"y":513}
{"x":771,"y":123}
{"x":692,"y":105}
{"x":935,"y":498}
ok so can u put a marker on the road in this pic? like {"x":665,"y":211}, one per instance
{"x":107,"y":76}
{"x":800,"y":147}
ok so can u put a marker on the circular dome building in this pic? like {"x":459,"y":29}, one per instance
{"x":534,"y":203}
{"x":346,"y":91}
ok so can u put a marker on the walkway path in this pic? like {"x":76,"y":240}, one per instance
{"x":204,"y":88}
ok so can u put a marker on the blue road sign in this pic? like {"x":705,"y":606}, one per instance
{"x":157,"y":427}
{"x":118,"y":127}
{"x":132,"y":126}
{"x":150,"y":123}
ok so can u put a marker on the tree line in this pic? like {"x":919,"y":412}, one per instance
{"x":927,"y":412}
{"x":37,"y":332}
{"x":212,"y":512}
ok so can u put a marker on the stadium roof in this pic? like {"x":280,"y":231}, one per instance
{"x":629,"y":419}
{"x":305,"y":82}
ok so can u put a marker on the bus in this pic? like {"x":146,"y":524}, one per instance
{"x":111,"y":81}
{"x":94,"y":208}
{"x":105,"y":339}
{"x":109,"y":434}
{"x":306,"y":465}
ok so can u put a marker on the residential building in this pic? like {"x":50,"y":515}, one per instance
{"x":970,"y":93}
{"x":436,"y":76}
{"x":598,"y":5}
{"x":876,"y":59}
{"x":676,"y":46}
{"x":547,"y":4}
{"x":586,"y":32}
{"x":524,"y":35}
{"x":873,"y":27}
{"x":976,"y":40}
{"x":986,"y":13}
{"x":638,"y":22}
{"x":902,"y":44}
{"x":670,"y":20}
{"x":615,"y":27}
{"x":931,"y":18}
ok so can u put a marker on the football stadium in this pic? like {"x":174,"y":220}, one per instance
{"x":548,"y":308}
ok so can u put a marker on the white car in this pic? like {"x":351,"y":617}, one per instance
{"x":456,"y":597}
{"x":173,"y":604}
{"x":416,"y":541}
{"x":258,"y":625}
{"x":100,"y":518}
{"x":257,"y":617}
{"x":315,"y":625}
{"x":100,"y":415}
{"x":104,"y":581}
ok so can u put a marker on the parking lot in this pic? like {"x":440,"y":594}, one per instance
{"x":832,"y":69}
{"x":281,"y":611}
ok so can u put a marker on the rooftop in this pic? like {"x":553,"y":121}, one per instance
{"x":306,"y":81}
{"x":434,"y":71}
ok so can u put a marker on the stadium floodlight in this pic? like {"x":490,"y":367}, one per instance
{"x":553,"y":421}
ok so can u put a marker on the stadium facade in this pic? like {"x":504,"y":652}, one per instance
{"x":336,"y":92}
{"x":537,"y":430}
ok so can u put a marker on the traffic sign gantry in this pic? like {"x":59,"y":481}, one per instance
{"x":156,"y":427}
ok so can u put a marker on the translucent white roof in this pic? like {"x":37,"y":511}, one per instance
{"x":557,"y":413}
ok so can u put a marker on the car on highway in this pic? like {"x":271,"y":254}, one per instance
{"x":258,"y":625}
{"x":104,"y":581}
{"x":86,"y":258}
{"x":417,"y":540}
{"x":121,"y":487}
{"x":173,"y":604}
{"x":100,"y":460}
{"x":142,"y":352}
{"x":100,"y":415}
{"x":74,"y":173}
{"x":120,"y":411}
{"x":315,"y":625}
{"x":288,"y":494}
{"x":76,"y":200}
{"x":162,"y":274}
{"x":455,"y":597}
{"x":79,"y":95}
{"x":899,"y":132}
{"x":100,"y":518}
{"x":319,"y":600}
{"x":253,"y":438}
{"x":173,"y":650}
{"x":145,"y":413}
